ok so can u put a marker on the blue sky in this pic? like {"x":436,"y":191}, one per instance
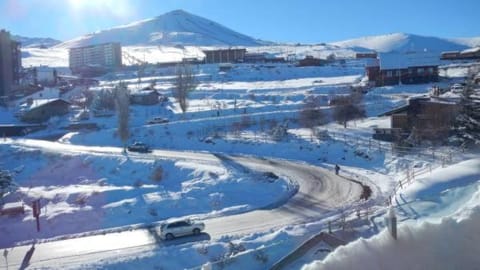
{"x":306,"y":21}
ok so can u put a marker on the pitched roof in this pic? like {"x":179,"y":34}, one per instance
{"x":42,"y":102}
{"x":403,"y":61}
{"x":471,"y":50}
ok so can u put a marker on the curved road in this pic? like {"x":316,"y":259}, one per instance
{"x":320,"y":192}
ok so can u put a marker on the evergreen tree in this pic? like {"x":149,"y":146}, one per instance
{"x":467,"y":123}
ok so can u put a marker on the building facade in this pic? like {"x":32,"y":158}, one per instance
{"x":412,"y":68}
{"x":10,"y":63}
{"x":41,"y":110}
{"x":101,"y":57}
{"x":224,"y":56}
{"x":423,"y":117}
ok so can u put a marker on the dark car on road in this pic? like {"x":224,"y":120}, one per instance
{"x":138,"y":147}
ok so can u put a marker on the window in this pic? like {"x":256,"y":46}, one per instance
{"x":398,"y":73}
{"x":182,"y":224}
{"x":389,"y":73}
{"x":420,"y":70}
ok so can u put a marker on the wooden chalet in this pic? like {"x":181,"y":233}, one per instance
{"x":311,"y":61}
{"x":40,"y":110}
{"x":145,"y":97}
{"x":427,"y":117}
{"x":410,"y":68}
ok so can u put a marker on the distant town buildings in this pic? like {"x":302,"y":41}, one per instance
{"x":398,"y":68}
{"x":311,"y":61}
{"x":10,"y":63}
{"x":224,"y":56}
{"x":468,"y":54}
{"x":362,"y":55}
{"x":94,"y":59}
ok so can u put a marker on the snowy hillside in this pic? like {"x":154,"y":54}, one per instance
{"x":173,"y":28}
{"x":403,"y":42}
{"x":36,"y":42}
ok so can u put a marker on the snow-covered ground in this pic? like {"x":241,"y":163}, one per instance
{"x":87,"y":187}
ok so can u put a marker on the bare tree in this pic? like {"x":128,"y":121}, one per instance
{"x":311,"y":115}
{"x":6,"y":183}
{"x":104,"y":100}
{"x":122,"y":105}
{"x":347,"y":108}
{"x":184,"y":84}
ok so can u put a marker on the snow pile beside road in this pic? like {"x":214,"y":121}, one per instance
{"x":451,"y":244}
{"x":439,"y":216}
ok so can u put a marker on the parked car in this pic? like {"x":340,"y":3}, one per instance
{"x":158,"y":120}
{"x":456,"y":88}
{"x":138,"y":147}
{"x":178,"y":228}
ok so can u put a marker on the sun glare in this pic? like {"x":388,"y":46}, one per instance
{"x":118,"y":8}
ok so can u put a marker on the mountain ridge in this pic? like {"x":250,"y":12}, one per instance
{"x":36,"y":42}
{"x":406,"y":42}
{"x":176,"y":27}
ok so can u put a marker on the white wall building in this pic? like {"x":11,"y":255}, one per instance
{"x":105,"y":56}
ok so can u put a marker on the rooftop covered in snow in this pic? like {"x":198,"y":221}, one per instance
{"x":405,"y":60}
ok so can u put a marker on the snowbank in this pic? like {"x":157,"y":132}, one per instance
{"x":450,"y":244}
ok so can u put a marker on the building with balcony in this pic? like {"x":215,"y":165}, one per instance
{"x":94,"y":59}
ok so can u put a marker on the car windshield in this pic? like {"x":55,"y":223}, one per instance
{"x":239,"y":134}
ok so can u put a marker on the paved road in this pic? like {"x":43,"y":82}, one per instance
{"x":318,"y":193}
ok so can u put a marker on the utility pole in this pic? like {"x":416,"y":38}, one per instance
{"x":36,"y":212}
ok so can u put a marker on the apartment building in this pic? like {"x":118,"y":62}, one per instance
{"x":95,"y":58}
{"x":10,"y":63}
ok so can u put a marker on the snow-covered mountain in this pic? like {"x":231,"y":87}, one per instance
{"x":402,"y":42}
{"x":36,"y":42}
{"x":177,"y":27}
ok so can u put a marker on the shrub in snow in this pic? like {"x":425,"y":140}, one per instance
{"x":261,"y":256}
{"x":157,"y":174}
{"x":235,"y":248}
{"x":213,"y":175}
{"x":152,"y":211}
{"x":6,"y":183}
{"x":138,"y":183}
{"x":279,"y":132}
{"x":203,"y":250}
{"x":216,"y":200}
{"x":81,"y":199}
{"x":245,"y":122}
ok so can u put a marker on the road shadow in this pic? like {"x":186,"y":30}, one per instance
{"x":27,"y":258}
{"x":187,"y":239}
